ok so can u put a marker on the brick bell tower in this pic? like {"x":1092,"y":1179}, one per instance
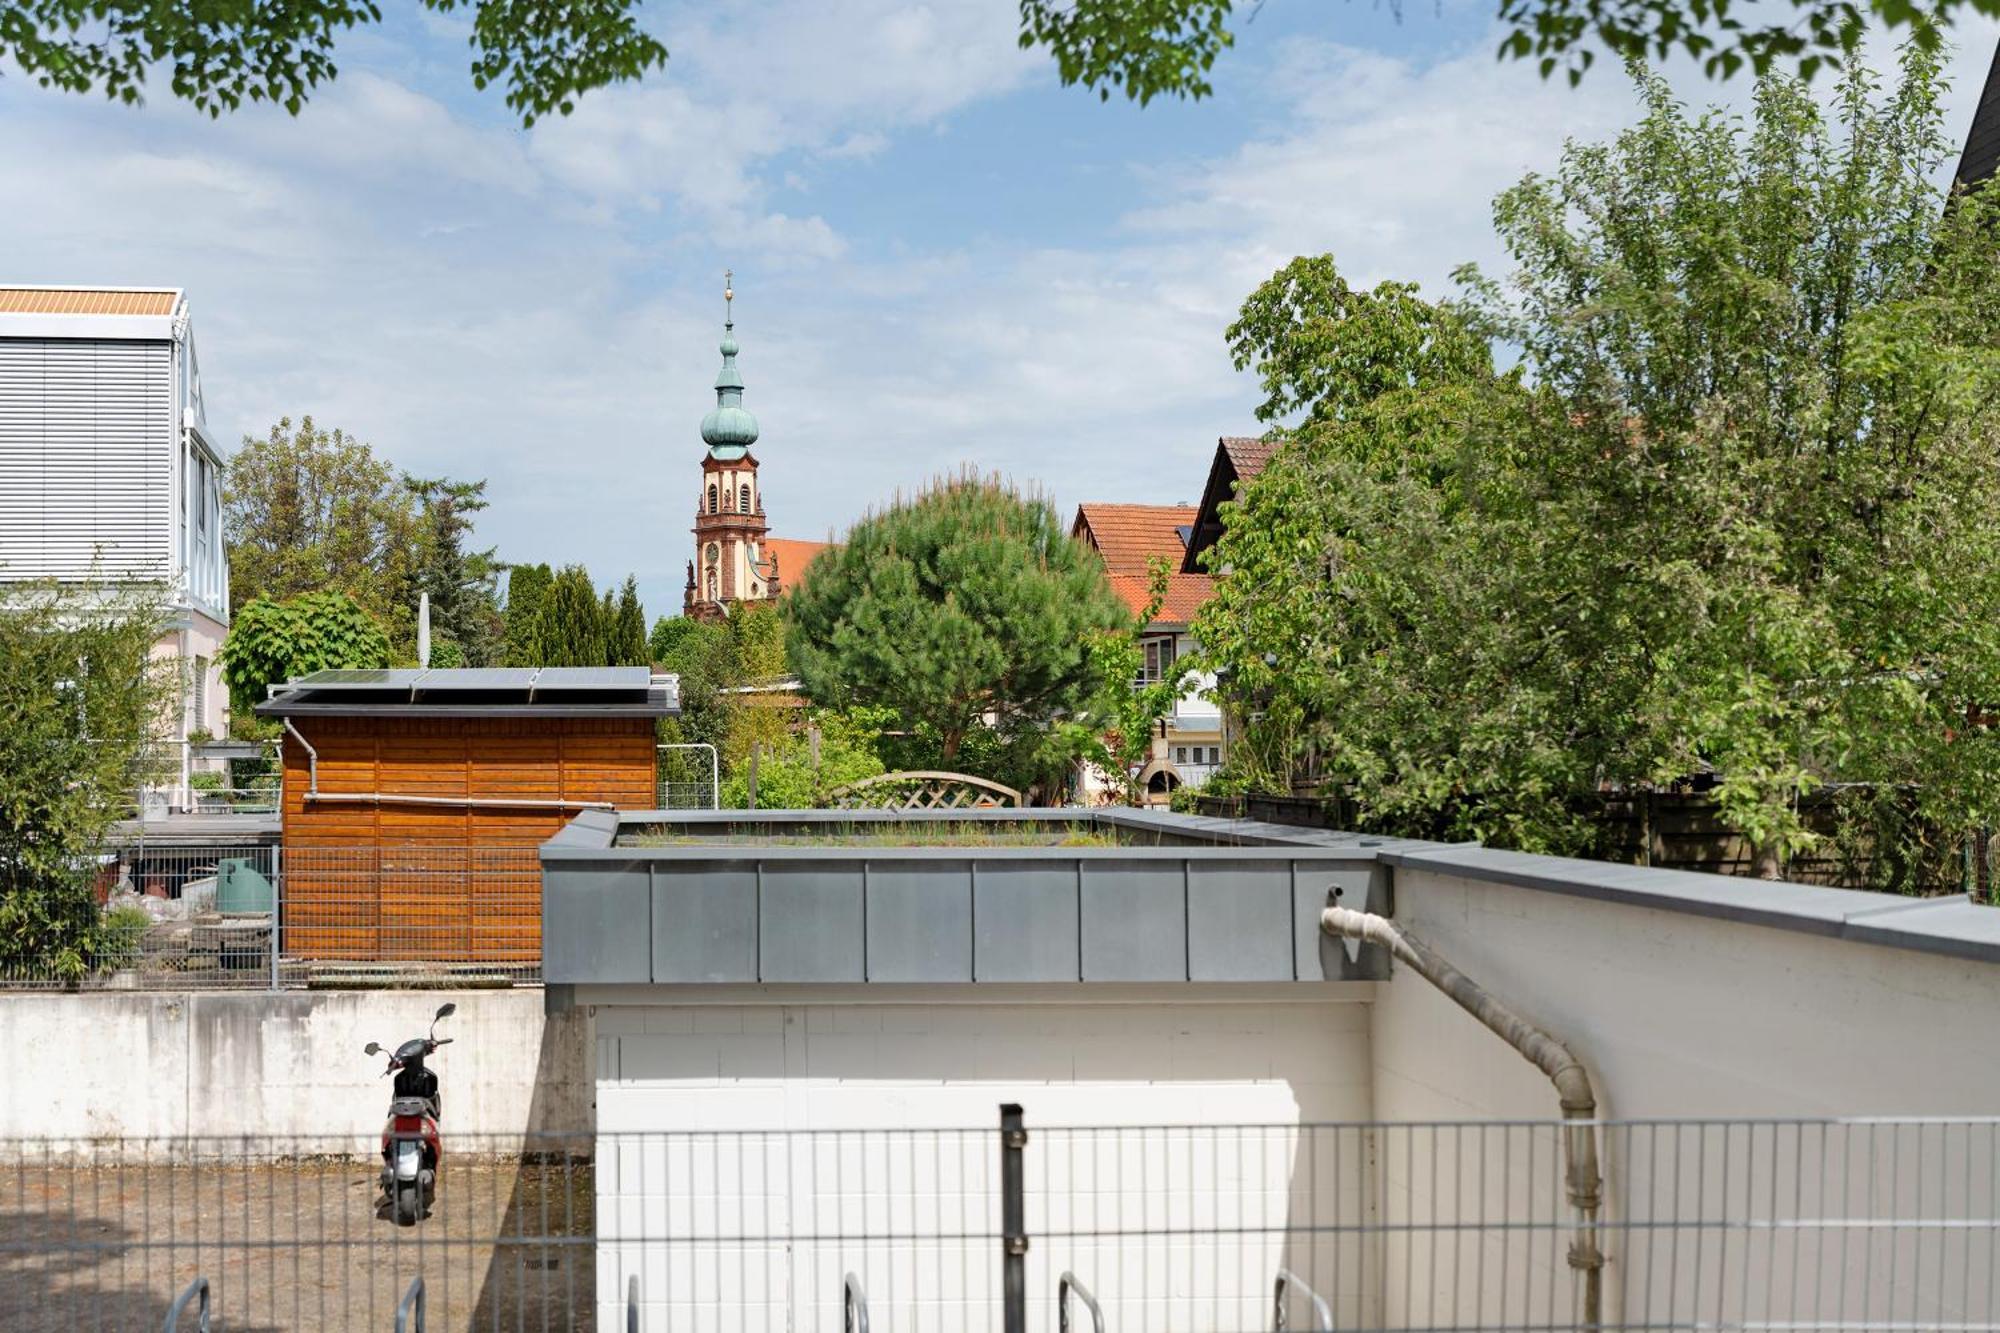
{"x":729,"y":564}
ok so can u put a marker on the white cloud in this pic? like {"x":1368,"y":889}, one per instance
{"x":542,"y":308}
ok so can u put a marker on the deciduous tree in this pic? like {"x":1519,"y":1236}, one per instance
{"x":548,"y":58}
{"x":271,"y":642}
{"x":310,"y":509}
{"x":81,"y":698}
{"x":1737,"y":528}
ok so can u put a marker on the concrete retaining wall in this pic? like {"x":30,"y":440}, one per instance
{"x":118,"y":1066}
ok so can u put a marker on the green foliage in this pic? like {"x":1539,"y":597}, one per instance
{"x":1325,"y":348}
{"x":628,"y":628}
{"x":546,"y":57}
{"x":968,"y":602}
{"x":463,"y":585}
{"x":446,"y":655}
{"x":1116,"y":735}
{"x":703,"y":654}
{"x":527,"y":587}
{"x":562,"y":620}
{"x":314,"y":510}
{"x":271,"y":642}
{"x":797,"y":769}
{"x":1737,"y":529}
{"x":1143,"y":48}
{"x":1151,"y":48}
{"x":569,"y":625}
{"x":80,"y":696}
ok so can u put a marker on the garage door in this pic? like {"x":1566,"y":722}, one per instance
{"x":756,"y":1161}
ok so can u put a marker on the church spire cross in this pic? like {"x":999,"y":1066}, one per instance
{"x":729,"y":430}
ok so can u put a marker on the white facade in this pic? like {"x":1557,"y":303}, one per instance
{"x":108,"y":471}
{"x":830,"y":1069}
{"x":1188,"y":750}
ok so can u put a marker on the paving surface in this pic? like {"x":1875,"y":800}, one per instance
{"x":301,"y":1246}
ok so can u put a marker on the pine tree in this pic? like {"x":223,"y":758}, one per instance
{"x":968,"y":602}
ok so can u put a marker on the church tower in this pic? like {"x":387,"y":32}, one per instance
{"x":730,"y":564}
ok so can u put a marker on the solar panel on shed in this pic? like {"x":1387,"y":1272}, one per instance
{"x":593,"y":678}
{"x":351,"y":678}
{"x":482,"y":679}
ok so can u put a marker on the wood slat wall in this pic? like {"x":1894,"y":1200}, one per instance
{"x":388,"y":882}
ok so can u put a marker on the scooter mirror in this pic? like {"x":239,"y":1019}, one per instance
{"x":372,"y":1048}
{"x":446,"y":1011}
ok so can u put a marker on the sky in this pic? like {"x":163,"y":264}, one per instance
{"x":943,"y":258}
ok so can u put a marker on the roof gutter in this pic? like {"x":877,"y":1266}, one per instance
{"x":1584,"y":1181}
{"x":313,"y":793}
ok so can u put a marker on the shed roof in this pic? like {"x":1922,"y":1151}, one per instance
{"x":478,"y":692}
{"x":27,"y":300}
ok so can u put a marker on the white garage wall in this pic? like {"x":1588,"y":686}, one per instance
{"x":742,"y":1174}
{"x":1686,"y":1016}
{"x":279,"y":1069}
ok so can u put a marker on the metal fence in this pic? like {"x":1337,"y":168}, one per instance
{"x":256,"y":916}
{"x":688,"y":777}
{"x":1452,"y":1227}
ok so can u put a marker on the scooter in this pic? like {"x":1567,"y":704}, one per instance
{"x":411,"y":1152}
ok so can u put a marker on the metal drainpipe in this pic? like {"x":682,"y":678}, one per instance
{"x":313,"y":793}
{"x":1581,"y":1175}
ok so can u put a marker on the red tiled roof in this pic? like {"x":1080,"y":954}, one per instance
{"x":1127,"y":537}
{"x":1248,"y":454}
{"x":1185,"y":595}
{"x":793,"y":556}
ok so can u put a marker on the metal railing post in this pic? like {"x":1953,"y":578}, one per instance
{"x":853,"y":1306}
{"x":1013,"y":1219}
{"x":198,"y":1287}
{"x":631,"y":1305}
{"x":1064,"y":1288}
{"x":1322,"y":1313}
{"x":416,"y":1294}
{"x":277,"y":904}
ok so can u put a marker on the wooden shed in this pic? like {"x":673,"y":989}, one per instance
{"x":414,"y":800}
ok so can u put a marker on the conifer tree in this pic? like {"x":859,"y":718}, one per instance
{"x":527,"y":588}
{"x":570,"y":625}
{"x":968,"y":603}
{"x":628,"y":628}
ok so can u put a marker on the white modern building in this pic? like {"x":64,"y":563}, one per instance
{"x":108,"y":470}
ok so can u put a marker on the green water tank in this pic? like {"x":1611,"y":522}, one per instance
{"x":240,"y":889}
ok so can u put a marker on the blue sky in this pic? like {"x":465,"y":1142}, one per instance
{"x":943,"y":257}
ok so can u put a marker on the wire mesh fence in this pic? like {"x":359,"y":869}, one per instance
{"x":687,"y":776}
{"x":258,"y":916}
{"x":1451,"y":1227}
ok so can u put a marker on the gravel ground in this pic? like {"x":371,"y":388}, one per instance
{"x":299,"y":1246}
